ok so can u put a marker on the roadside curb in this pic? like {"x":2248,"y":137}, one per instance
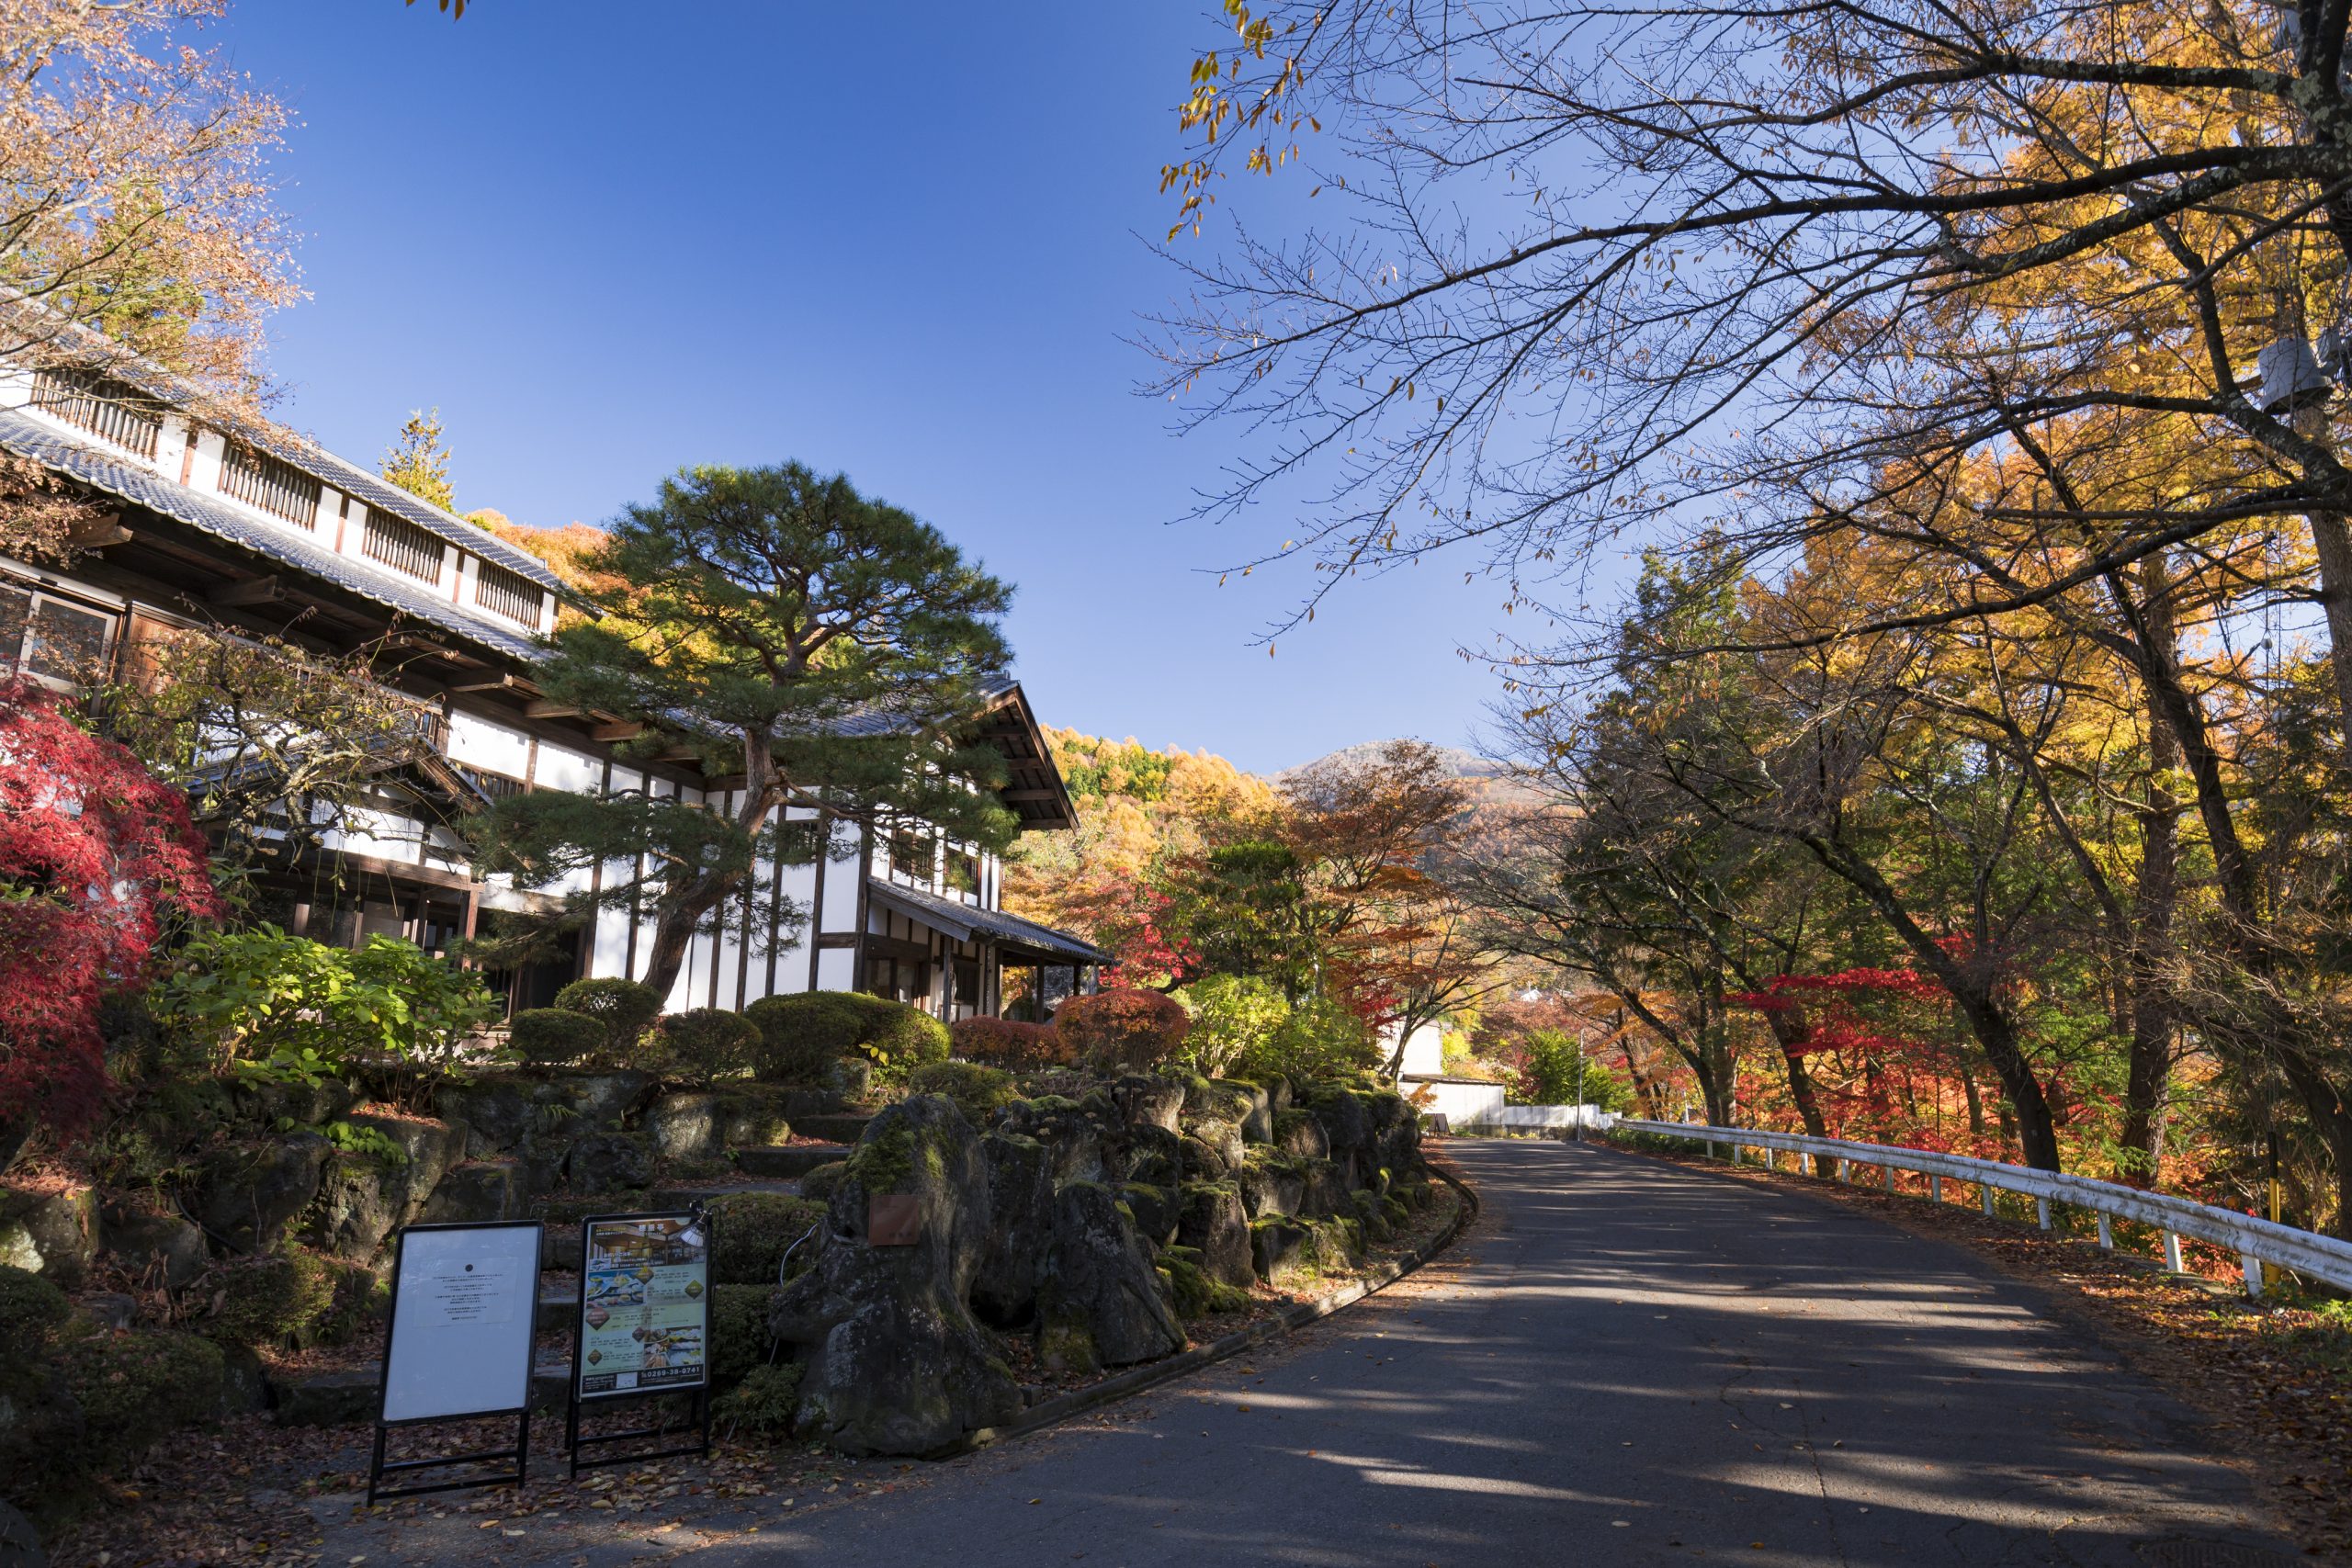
{"x":1055,"y":1411}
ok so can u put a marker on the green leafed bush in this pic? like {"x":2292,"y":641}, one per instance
{"x":1236,"y":1020}
{"x":553,"y":1037}
{"x":977,"y":1091}
{"x":750,"y":1231}
{"x":706,"y":1043}
{"x":1124,"y":1031}
{"x":285,"y":1008}
{"x":802,"y":1036}
{"x":625,"y":1008}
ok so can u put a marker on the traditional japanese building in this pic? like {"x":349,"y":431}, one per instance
{"x":219,"y":521}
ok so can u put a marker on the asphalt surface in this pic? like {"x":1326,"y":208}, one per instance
{"x":1627,"y":1362}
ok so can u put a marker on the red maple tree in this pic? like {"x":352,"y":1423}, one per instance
{"x":94,"y":851}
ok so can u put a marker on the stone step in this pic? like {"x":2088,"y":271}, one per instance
{"x":790,"y":1160}
{"x":841,"y":1128}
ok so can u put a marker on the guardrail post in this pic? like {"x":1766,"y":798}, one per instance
{"x":2252,"y":1266}
{"x":2172,"y":1253}
{"x":1735,"y":1153}
{"x":1984,"y":1191}
{"x":2042,"y":1211}
{"x":1934,"y":1187}
{"x":1890,"y":1178}
{"x":1841,"y":1170}
{"x":2105,"y":1240}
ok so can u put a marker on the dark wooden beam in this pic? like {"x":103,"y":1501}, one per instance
{"x":254,"y":591}
{"x":1029,"y":795}
{"x":621,"y":729}
{"x":497,"y":683}
{"x":542,"y":707}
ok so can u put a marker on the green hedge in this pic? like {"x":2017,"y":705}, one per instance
{"x":802,"y":1036}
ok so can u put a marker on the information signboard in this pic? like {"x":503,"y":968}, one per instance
{"x":459,"y":1342}
{"x":644,"y":1305}
{"x":644,"y":1327}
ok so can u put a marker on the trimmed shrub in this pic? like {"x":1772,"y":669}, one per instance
{"x":1007,"y":1044}
{"x":555,"y":1037}
{"x":739,"y":1331}
{"x":297,"y":1297}
{"x":977,"y":1091}
{"x":750,"y":1232}
{"x":802,"y":1036}
{"x":29,"y":1308}
{"x":761,"y":1406}
{"x":704,"y":1044}
{"x":1123,"y":1031}
{"x":625,"y":1008}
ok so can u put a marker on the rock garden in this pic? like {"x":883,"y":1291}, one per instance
{"x":1066,"y":1200}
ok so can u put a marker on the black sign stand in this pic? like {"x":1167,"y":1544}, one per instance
{"x":574,"y":1440}
{"x":519,"y":1455}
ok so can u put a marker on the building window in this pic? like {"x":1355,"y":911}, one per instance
{"x":277,"y":488}
{"x":911,"y":850}
{"x":508,"y":593}
{"x":964,"y":873}
{"x":801,"y":841}
{"x":403,"y":545}
{"x":105,"y":407}
{"x":54,"y":640}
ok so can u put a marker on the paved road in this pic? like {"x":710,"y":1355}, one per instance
{"x":1635,"y":1363}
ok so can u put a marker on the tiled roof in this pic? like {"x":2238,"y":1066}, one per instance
{"x":963,"y":921}
{"x":170,"y":390}
{"x":384,"y":496}
{"x":101,"y":469}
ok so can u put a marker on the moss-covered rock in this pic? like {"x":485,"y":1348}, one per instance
{"x":895,"y":1362}
{"x":249,"y":1195}
{"x":1271,"y":1183}
{"x":1195,"y":1294}
{"x":155,"y":1249}
{"x":1215,"y":1224}
{"x":1300,"y":1133}
{"x":821,"y":1183}
{"x":703,"y":1124}
{"x":1157,"y":1211}
{"x":1020,"y":1222}
{"x":51,"y":1232}
{"x":1099,"y":1277}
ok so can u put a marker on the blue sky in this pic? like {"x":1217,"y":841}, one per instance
{"x":898,"y":240}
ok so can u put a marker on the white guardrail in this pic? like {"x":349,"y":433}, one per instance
{"x":2257,"y":1242}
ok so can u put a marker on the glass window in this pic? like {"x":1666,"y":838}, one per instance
{"x":67,"y":643}
{"x":911,"y":852}
{"x":53,"y":639}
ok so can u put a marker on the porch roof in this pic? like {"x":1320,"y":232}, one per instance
{"x":1020,"y":938}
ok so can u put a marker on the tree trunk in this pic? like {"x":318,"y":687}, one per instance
{"x":1791,"y":1032}
{"x":2149,"y":1067}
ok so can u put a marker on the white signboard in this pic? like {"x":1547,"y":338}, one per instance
{"x":463,"y":1302}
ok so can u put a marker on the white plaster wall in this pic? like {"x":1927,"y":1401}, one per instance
{"x":485,"y":743}
{"x":836,"y":969}
{"x":561,"y":767}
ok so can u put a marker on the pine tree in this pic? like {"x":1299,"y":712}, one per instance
{"x":758,"y":621}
